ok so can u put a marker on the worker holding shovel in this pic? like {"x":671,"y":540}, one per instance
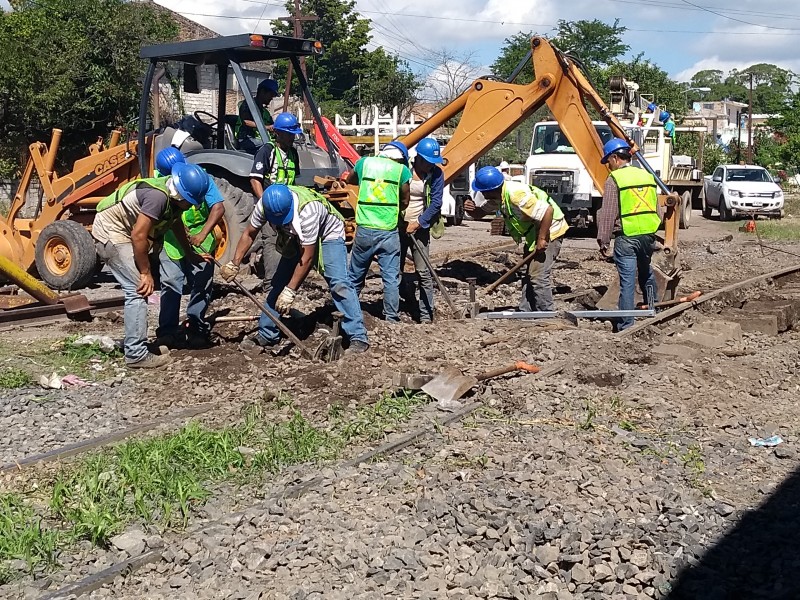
{"x":306,"y":221}
{"x":532,"y":218}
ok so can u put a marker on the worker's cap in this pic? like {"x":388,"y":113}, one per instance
{"x":395,"y":150}
{"x":613,"y":146}
{"x":504,"y":166}
{"x":269,"y":85}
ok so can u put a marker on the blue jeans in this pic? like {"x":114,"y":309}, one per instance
{"x":423,"y":236}
{"x":383,"y":246}
{"x":119,"y":258}
{"x":632,"y":255}
{"x":250,"y":145}
{"x":345,"y":299}
{"x":197,"y":276}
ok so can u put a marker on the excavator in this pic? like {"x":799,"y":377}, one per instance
{"x":489,"y":109}
{"x":55,"y":240}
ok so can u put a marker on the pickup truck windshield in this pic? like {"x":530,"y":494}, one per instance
{"x":549,"y":139}
{"x":747,"y":175}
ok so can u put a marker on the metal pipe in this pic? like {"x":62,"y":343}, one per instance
{"x":646,"y":166}
{"x":27,"y":282}
{"x":435,"y":276}
{"x":578,"y":314}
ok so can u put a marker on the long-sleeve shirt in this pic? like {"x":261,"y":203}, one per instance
{"x":608,"y":215}
{"x":436,"y":183}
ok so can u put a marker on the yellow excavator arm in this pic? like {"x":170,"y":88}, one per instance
{"x":491,"y":109}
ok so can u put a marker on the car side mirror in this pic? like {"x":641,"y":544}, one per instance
{"x":717,"y":178}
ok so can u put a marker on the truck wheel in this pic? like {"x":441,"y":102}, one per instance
{"x":238,"y":207}
{"x":458,"y":216}
{"x":65,"y":255}
{"x":686,"y":210}
{"x":724,"y":211}
{"x":706,"y":208}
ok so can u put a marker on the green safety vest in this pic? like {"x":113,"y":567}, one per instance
{"x":194,"y":219}
{"x":286,"y":172}
{"x":158,"y":183}
{"x":638,"y":201}
{"x":304,"y":196}
{"x":265,"y":116}
{"x":379,"y":194}
{"x":527,"y":230}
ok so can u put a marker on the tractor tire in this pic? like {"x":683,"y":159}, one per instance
{"x":238,"y":204}
{"x":65,"y":255}
{"x":686,"y":210}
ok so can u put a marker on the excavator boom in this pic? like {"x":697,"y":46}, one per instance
{"x":491,"y":109}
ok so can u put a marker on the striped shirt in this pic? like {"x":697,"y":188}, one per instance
{"x":311,"y":224}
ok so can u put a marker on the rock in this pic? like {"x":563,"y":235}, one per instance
{"x":133,"y":542}
{"x":580,"y":574}
{"x":723,"y":509}
{"x":640,"y":558}
{"x":783,"y":451}
{"x":546,"y":554}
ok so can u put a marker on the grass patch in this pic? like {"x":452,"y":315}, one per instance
{"x":64,"y":357}
{"x":161,"y":480}
{"x":787,"y":230}
{"x":12,"y":378}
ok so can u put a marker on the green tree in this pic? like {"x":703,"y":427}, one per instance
{"x":595,"y":43}
{"x":787,"y":133}
{"x":514,"y":49}
{"x":74,"y":65}
{"x":334,"y":76}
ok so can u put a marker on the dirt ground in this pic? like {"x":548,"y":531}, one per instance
{"x":628,"y":459}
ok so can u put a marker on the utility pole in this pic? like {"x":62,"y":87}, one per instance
{"x":738,"y":136}
{"x":297,"y":19}
{"x":750,"y":125}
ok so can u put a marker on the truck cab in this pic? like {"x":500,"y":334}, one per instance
{"x":554,"y":167}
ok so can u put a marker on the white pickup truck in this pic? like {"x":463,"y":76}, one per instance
{"x":741,"y":190}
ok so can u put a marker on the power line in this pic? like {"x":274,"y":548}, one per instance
{"x":659,"y":4}
{"x":708,"y":10}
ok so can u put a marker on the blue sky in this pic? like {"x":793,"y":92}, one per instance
{"x":681,"y":36}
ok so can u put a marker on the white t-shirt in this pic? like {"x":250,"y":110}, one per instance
{"x":416,"y":205}
{"x":312,"y":223}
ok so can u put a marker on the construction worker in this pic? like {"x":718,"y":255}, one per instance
{"x":179,"y":268}
{"x":246,"y":131}
{"x":275,"y":162}
{"x":534,"y":219}
{"x":128,"y":225}
{"x":318,"y":229}
{"x":630,"y":211}
{"x":505,"y":169}
{"x":383,"y":194}
{"x":426,"y":190}
{"x":669,"y":125}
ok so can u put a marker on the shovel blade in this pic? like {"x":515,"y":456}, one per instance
{"x":666,"y":286}
{"x":449,"y":385}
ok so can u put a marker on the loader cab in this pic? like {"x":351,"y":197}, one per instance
{"x":215,"y":67}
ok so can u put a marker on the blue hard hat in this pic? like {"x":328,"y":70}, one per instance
{"x":428,"y":148}
{"x":269,"y":84}
{"x":168,"y":158}
{"x":652,"y":107}
{"x":614,"y":145}
{"x":399,"y":146}
{"x":487,"y":178}
{"x":191,"y":181}
{"x":664,"y":116}
{"x":287,"y":122}
{"x":278,"y":201}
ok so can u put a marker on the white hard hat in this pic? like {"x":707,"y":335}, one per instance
{"x":392,"y":153}
{"x":504,"y":166}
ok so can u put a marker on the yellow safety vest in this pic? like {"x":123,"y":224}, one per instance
{"x":638,"y":201}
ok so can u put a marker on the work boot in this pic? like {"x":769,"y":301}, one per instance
{"x":151,"y":361}
{"x":198,"y":341}
{"x":174,"y":341}
{"x":357,"y":347}
{"x":255,"y":344}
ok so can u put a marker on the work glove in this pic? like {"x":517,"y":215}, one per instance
{"x":284,"y":302}
{"x":229,"y":271}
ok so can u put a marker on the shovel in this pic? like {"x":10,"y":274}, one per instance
{"x":449,"y":385}
{"x":330,"y":349}
{"x":278,"y":323}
